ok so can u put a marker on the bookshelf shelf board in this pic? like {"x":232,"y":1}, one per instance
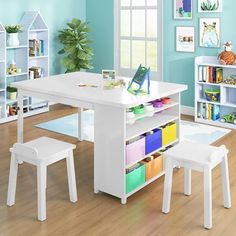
{"x":219,"y":84}
{"x":150,"y":123}
{"x":217,"y":65}
{"x":10,"y":101}
{"x":209,"y":102}
{"x":228,"y":104}
{"x":18,"y":74}
{"x":37,"y":30}
{"x":216,"y":123}
{"x":37,"y":57}
{"x":2,"y":89}
{"x":2,"y":61}
{"x":16,"y":47}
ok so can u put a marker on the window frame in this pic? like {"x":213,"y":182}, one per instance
{"x":117,"y":39}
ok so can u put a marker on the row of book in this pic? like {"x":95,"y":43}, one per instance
{"x":36,"y":47}
{"x":35,"y":72}
{"x":208,"y":111}
{"x":210,"y":74}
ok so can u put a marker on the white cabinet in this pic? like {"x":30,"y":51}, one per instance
{"x":34,"y":30}
{"x":208,"y":76}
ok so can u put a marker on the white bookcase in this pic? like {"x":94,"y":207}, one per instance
{"x":227,"y":101}
{"x":33,"y":27}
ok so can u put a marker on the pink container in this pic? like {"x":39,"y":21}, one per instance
{"x":135,"y":151}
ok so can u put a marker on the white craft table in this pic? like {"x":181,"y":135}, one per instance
{"x":110,"y":128}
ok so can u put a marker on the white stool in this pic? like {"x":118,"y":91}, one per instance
{"x":202,"y":158}
{"x":41,"y":152}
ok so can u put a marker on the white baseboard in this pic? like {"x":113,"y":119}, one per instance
{"x":185,"y":110}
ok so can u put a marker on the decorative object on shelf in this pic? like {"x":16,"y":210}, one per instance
{"x":212,"y":94}
{"x":166,"y":100}
{"x":227,"y":57}
{"x":35,"y":72}
{"x":230,"y":118}
{"x":13,"y":31}
{"x":78,"y":53}
{"x":183,"y":9}
{"x":11,"y":93}
{"x":209,"y":32}
{"x":139,"y":109}
{"x":231,"y":79}
{"x":12,"y":69}
{"x":157,"y":103}
{"x":185,"y":39}
{"x":210,"y":6}
{"x":138,"y":80}
{"x":109,"y":74}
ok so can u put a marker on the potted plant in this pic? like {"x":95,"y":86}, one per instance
{"x":13,"y":31}
{"x":11,"y":93}
{"x":78,"y":53}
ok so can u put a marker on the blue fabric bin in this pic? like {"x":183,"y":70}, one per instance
{"x":153,"y":141}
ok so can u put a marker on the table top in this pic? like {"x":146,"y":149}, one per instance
{"x":67,"y":86}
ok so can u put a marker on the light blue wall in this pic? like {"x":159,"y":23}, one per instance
{"x":178,"y":67}
{"x":100,"y":17}
{"x":55,"y":13}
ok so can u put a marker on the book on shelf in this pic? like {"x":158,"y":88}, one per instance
{"x":208,"y":111}
{"x":36,"y":47}
{"x":35,"y":72}
{"x":210,"y":74}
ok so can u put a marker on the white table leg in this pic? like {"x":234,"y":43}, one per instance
{"x":80,"y":123}
{"x":20,"y":121}
{"x":187,"y":181}
{"x":225,"y":182}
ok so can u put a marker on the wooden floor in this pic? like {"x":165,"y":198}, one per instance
{"x":103,"y":214}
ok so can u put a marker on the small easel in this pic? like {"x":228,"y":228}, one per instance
{"x":140,"y":76}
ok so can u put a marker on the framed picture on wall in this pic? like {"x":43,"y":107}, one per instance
{"x":185,"y":39}
{"x":209,"y":32}
{"x":210,"y":6}
{"x":183,"y":9}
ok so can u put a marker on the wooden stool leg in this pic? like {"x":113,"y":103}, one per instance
{"x":12,"y":181}
{"x":41,"y":187}
{"x":71,"y":177}
{"x":225,"y":182}
{"x":167,"y":186}
{"x":187,"y":181}
{"x":207,"y":198}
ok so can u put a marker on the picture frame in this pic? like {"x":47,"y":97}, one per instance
{"x":109,"y":74}
{"x":183,"y":9}
{"x":185,"y":39}
{"x":210,"y":6}
{"x":209,"y":32}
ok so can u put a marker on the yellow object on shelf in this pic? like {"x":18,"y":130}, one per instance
{"x":169,"y":133}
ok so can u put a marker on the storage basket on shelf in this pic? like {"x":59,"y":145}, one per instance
{"x":169,"y":133}
{"x":212,"y":95}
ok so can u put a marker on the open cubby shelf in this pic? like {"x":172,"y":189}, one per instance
{"x":33,"y":28}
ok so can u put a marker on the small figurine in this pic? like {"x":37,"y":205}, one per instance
{"x":11,"y":70}
{"x":227,"y":57}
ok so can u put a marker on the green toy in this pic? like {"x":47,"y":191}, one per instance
{"x":230,"y":118}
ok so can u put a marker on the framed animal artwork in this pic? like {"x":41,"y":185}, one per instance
{"x":183,"y":9}
{"x":209,"y":32}
{"x":209,"y":6}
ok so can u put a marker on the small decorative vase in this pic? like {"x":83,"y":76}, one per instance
{"x":13,"y":39}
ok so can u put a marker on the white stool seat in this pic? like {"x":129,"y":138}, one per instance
{"x":202,"y":158}
{"x":198,"y":153}
{"x":41,"y":152}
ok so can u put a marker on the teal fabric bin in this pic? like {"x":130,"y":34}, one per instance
{"x":135,"y":178}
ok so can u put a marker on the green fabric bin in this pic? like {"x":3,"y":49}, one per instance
{"x":135,"y":178}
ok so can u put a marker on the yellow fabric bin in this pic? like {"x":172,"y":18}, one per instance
{"x":169,"y":133}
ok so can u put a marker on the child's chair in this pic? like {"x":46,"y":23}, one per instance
{"x":199,"y":157}
{"x":41,"y":152}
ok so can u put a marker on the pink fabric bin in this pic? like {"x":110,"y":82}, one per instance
{"x":135,"y":151}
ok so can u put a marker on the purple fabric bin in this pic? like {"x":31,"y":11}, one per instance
{"x":135,"y":151}
{"x":153,"y":141}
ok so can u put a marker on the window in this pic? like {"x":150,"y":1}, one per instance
{"x":138,"y":36}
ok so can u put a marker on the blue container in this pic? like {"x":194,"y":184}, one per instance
{"x":153,"y":141}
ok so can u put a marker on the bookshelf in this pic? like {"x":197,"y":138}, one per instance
{"x":211,"y":76}
{"x":34,"y":29}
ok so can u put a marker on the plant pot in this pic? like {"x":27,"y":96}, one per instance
{"x":11,"y":95}
{"x":13,"y":39}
